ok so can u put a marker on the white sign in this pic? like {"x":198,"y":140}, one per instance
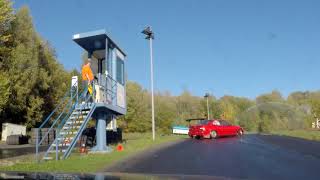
{"x":76,"y":36}
{"x":120,"y":96}
{"x":74,"y":81}
{"x":180,"y":131}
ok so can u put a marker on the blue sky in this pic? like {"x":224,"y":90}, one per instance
{"x":240,"y":48}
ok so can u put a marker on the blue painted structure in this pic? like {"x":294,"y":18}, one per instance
{"x":75,"y":110}
{"x":100,"y":47}
{"x":180,"y":129}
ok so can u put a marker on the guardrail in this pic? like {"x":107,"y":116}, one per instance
{"x":110,"y":87}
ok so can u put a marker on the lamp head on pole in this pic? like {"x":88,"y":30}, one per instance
{"x":148,"y":32}
{"x":206,"y":95}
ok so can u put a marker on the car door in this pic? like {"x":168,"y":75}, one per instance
{"x":216,"y":126}
{"x":226,"y":128}
{"x":233,"y":130}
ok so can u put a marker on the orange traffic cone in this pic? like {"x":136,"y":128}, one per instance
{"x":119,"y":147}
{"x":83,"y":149}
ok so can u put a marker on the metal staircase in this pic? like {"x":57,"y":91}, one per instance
{"x":61,"y":130}
{"x":69,"y":134}
{"x":67,"y":122}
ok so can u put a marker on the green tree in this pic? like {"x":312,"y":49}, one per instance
{"x":138,"y":117}
{"x":6,"y":18}
{"x":274,"y":96}
{"x":265,"y":124}
{"x":23,"y":70}
{"x":4,"y":90}
{"x":165,"y":112}
{"x":232,"y":107}
{"x":188,"y":106}
{"x":35,"y":79}
{"x":298,"y":98}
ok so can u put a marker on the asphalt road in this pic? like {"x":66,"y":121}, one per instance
{"x":247,"y":157}
{"x":18,"y":150}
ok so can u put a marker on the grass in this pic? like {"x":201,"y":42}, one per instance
{"x":135,"y":143}
{"x":305,"y":134}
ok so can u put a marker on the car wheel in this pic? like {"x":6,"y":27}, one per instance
{"x":213,"y":134}
{"x":240,"y":133}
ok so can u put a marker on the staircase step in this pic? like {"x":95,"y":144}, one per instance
{"x":59,"y":150}
{"x":71,"y":132}
{"x":47,"y":158}
{"x":64,"y":138}
{"x":80,"y":112}
{"x":66,"y":144}
{"x":80,"y":105}
{"x":74,"y":122}
{"x":71,"y":127}
{"x":77,"y":117}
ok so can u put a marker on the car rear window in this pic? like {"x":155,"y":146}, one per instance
{"x":224,"y":123}
{"x":203,"y":122}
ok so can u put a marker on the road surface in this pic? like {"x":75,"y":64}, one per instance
{"x":8,"y":151}
{"x":248,"y":157}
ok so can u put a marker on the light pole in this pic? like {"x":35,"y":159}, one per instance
{"x":150,"y":36}
{"x":207,"y":96}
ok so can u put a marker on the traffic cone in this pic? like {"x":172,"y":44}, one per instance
{"x":120,"y":147}
{"x":83,"y":149}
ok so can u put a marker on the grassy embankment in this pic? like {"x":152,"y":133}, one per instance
{"x":304,"y":134}
{"x":135,"y":143}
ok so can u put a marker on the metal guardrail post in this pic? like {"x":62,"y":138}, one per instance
{"x":116,"y":94}
{"x":77,"y":94}
{"x":37,"y":146}
{"x":57,"y":145}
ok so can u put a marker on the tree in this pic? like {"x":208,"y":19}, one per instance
{"x":249,"y":120}
{"x":33,"y":81}
{"x":187,"y":106}
{"x":274,"y":96}
{"x":4,"y":90}
{"x":298,"y":98}
{"x":265,"y":124}
{"x":138,"y":118}
{"x":229,"y":110}
{"x":165,"y":112}
{"x":23,"y":70}
{"x":232,"y":107}
{"x":6,"y":18}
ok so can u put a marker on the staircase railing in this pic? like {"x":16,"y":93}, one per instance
{"x":110,"y":87}
{"x":81,"y":98}
{"x":46,"y":131}
{"x":78,"y":134}
{"x":61,"y":114}
{"x":86,"y":105}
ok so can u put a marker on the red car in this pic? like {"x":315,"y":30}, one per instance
{"x":213,"y":129}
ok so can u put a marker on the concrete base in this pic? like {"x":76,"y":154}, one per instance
{"x":95,"y":150}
